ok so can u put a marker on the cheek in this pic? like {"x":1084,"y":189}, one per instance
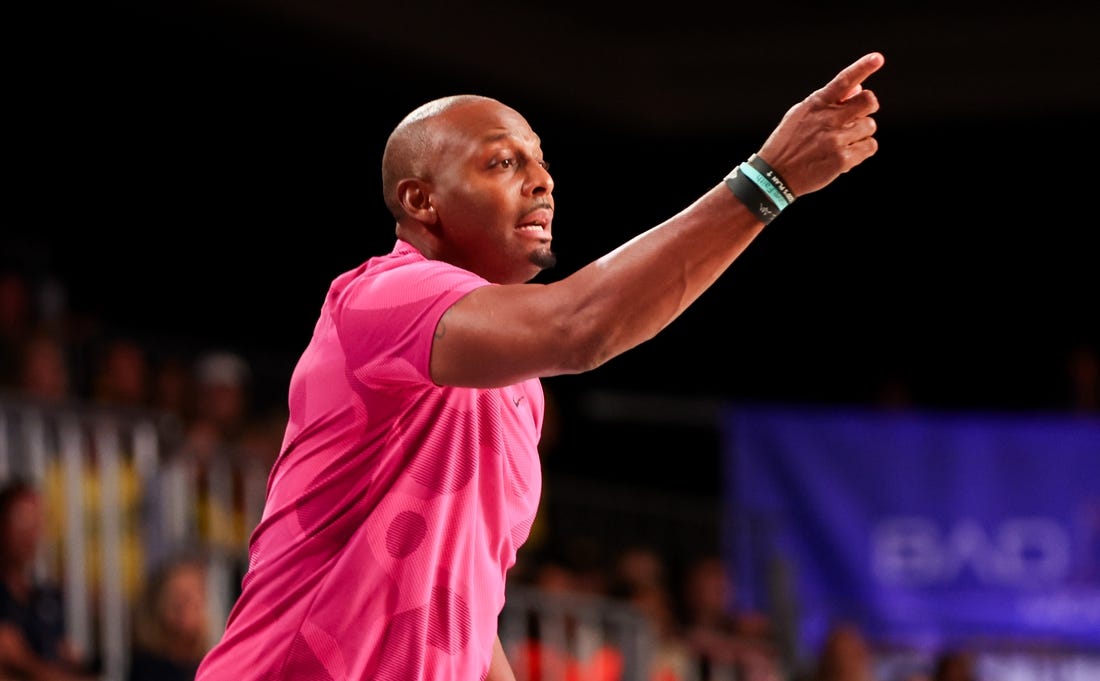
{"x":476,"y":204}
{"x":474,"y":214}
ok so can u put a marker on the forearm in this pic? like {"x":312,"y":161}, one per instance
{"x":633,"y":292}
{"x":499,"y":669}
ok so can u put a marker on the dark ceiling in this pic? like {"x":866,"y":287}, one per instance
{"x":706,"y":66}
{"x":203,"y":169}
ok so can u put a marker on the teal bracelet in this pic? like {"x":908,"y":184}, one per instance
{"x":767,"y":171}
{"x":749,"y":194}
{"x":765,"y":184}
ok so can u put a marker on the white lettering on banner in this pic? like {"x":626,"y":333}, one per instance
{"x":1023,"y":552}
{"x":1081,"y":609}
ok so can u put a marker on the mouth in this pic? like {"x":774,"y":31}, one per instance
{"x":537,"y":222}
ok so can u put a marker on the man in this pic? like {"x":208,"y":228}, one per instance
{"x":409,"y":476}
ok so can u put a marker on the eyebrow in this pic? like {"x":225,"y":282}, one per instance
{"x":495,"y":137}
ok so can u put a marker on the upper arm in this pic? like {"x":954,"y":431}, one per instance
{"x":502,"y":334}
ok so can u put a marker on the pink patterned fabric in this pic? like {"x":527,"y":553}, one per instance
{"x":396,"y":506}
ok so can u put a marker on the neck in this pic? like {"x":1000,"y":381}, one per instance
{"x":419,"y":238}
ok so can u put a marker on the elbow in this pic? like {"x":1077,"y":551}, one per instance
{"x":587,"y":347}
{"x":587,"y":358}
{"x":590,"y":331}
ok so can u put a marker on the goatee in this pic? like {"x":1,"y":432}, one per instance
{"x":544,"y":258}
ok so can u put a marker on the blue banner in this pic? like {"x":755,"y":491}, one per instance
{"x":923,"y":528}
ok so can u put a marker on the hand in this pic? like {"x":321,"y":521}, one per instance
{"x":828,"y":133}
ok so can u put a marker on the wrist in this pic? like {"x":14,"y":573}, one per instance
{"x":752,"y":196}
{"x":763,"y":191}
{"x":772,"y":176}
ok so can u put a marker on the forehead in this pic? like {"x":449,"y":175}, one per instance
{"x":485,"y":122}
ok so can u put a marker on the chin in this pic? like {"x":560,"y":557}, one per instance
{"x":544,"y":258}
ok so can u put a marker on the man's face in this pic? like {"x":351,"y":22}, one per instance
{"x":492,"y":193}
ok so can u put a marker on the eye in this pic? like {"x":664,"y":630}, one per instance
{"x":508,"y":163}
{"x":545,"y":165}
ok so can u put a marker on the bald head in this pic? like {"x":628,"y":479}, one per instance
{"x":408,"y":149}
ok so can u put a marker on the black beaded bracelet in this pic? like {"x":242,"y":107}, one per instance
{"x":752,"y":196}
{"x":767,"y":171}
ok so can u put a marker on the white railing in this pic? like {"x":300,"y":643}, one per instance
{"x":122,"y":500}
{"x":119,"y":501}
{"x":575,"y":627}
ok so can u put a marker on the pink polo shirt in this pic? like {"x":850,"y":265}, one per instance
{"x":396,"y":506}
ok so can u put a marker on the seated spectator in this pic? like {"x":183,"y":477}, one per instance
{"x":640,"y":566}
{"x":723,"y":641}
{"x":121,"y":373}
{"x":223,"y":404}
{"x":33,"y":642}
{"x":45,"y":375}
{"x":214,"y":449}
{"x":172,"y":628}
{"x":954,"y":665}
{"x":670,"y":656}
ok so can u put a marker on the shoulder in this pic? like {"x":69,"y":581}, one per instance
{"x":406,"y":260}
{"x":403,"y":277}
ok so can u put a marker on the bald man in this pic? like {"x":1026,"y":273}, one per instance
{"x":409,"y":473}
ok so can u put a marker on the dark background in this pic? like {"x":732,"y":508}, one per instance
{"x":202,"y":170}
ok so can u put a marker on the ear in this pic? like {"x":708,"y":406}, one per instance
{"x":414,"y":197}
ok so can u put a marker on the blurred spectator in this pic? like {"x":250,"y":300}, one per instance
{"x":121,"y":374}
{"x":640,"y":567}
{"x":588,"y":559}
{"x":44,"y":371}
{"x":724,"y":643}
{"x":641,"y":578}
{"x":954,"y":665}
{"x":844,"y":656}
{"x":33,"y":643}
{"x":172,"y":627}
{"x":670,"y":657}
{"x":173,"y":386}
{"x":222,"y":403}
{"x":214,"y":452}
{"x":566,"y":647}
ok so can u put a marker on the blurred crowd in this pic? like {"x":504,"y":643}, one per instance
{"x":50,"y":356}
{"x":699,"y":634}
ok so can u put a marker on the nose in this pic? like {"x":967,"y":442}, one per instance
{"x":539,"y":180}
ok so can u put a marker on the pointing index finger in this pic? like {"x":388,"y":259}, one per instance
{"x":849,"y":81}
